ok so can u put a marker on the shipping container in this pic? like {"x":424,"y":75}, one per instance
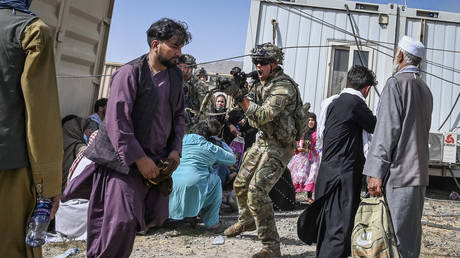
{"x":80,"y":30}
{"x":108,"y":71}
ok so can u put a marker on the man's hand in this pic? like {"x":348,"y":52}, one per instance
{"x":374,"y":186}
{"x":55,"y":206}
{"x":175,"y":156}
{"x":147,"y":167}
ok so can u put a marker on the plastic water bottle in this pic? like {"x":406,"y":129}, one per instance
{"x":67,"y":253}
{"x":454,"y":196}
{"x":38,"y":223}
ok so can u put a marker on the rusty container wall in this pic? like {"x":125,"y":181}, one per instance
{"x":81,"y":29}
{"x":109,"y":69}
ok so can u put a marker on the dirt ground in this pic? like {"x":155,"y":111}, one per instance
{"x":441,"y":236}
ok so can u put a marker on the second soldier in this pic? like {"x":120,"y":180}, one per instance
{"x":195,"y":90}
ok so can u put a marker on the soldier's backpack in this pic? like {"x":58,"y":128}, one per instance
{"x":373,"y":234}
{"x":301,"y":110}
{"x":301,"y":117}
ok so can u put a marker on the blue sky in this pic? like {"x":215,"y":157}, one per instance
{"x":218,"y":27}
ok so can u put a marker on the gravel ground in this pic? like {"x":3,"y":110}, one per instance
{"x":441,"y":236}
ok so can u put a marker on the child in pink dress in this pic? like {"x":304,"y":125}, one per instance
{"x":304,"y":165}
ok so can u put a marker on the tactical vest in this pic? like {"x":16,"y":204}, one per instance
{"x":13,"y":148}
{"x":102,"y":151}
{"x":283,"y":129}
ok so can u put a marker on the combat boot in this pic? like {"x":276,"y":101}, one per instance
{"x":239,"y":228}
{"x":267,"y":253}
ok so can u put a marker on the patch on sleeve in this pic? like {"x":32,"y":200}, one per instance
{"x":276,"y":101}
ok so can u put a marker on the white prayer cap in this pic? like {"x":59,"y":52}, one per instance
{"x":412,"y":46}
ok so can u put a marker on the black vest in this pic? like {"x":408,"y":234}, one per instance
{"x":13,"y":148}
{"x":102,"y":151}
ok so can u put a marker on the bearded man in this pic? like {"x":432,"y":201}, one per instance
{"x":144,"y":123}
{"x":397,"y":160}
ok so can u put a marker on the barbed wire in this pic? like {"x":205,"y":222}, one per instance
{"x":281,"y":5}
{"x":289,"y":47}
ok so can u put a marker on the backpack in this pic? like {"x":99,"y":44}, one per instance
{"x":373,"y":234}
{"x":301,"y":117}
{"x":301,"y":110}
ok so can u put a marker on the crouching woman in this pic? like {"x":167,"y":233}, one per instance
{"x":195,"y":189}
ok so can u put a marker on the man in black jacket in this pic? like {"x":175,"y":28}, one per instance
{"x":342,"y":162}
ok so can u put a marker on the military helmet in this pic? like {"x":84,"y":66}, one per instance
{"x":187,"y":59}
{"x":267,"y":52}
{"x":201,"y":71}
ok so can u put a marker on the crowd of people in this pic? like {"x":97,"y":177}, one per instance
{"x":153,"y":154}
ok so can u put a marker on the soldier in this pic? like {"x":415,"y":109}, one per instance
{"x":195,"y":90}
{"x":271,"y":111}
{"x":202,"y":74}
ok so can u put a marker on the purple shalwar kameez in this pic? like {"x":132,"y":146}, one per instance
{"x":122,"y":204}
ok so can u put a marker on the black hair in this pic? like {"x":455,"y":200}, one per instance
{"x":359,"y":77}
{"x":100,"y":103}
{"x":207,"y":128}
{"x":164,"y":29}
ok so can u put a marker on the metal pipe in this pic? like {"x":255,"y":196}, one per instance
{"x":274,"y":27}
{"x":354,"y":34}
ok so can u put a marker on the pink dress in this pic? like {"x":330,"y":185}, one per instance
{"x":304,"y":167}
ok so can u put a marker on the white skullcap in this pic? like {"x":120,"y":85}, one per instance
{"x":412,"y":46}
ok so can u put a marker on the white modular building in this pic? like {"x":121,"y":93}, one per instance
{"x":318,"y":38}
{"x":319,"y":46}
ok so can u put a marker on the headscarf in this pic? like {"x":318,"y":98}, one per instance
{"x":311,"y":130}
{"x":18,"y":5}
{"x":72,"y":133}
{"x":308,"y":135}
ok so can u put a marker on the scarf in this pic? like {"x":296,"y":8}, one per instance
{"x":409,"y":69}
{"x":18,"y":5}
{"x":367,"y":137}
{"x":308,"y":134}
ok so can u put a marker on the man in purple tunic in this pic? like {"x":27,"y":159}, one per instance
{"x":144,"y":123}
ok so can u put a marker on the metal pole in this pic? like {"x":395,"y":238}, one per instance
{"x":274,"y":27}
{"x":358,"y":44}
{"x":354,"y":34}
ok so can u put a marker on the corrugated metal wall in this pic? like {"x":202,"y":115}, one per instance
{"x":81,"y":32}
{"x":309,"y":66}
{"x":109,"y":69}
{"x":445,"y":36}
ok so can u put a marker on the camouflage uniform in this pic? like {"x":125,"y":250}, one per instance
{"x":272,"y":112}
{"x":202,"y":72}
{"x":195,"y":91}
